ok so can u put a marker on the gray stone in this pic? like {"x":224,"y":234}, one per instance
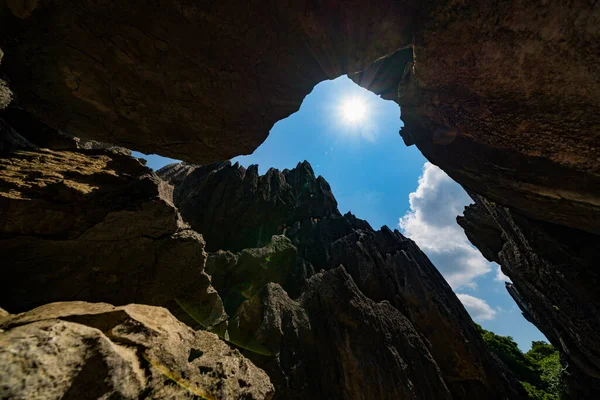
{"x":77,"y":350}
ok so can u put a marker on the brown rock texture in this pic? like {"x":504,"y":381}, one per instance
{"x":503,"y":96}
{"x":212,"y":77}
{"x":554,"y":274}
{"x":95,"y":225}
{"x":385,"y":290}
{"x":6,"y":95}
{"x":78,"y":350}
{"x":335,"y":343}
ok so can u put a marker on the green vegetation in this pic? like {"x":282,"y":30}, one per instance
{"x":539,"y":370}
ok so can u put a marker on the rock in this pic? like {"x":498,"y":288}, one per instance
{"x":482,"y":230}
{"x":235,"y":206}
{"x":240,"y":276}
{"x":95,"y":225}
{"x":6,"y":95}
{"x":253,"y":207}
{"x":175,"y":173}
{"x":93,"y":145}
{"x":481,"y":100}
{"x":554,"y":277}
{"x":120,"y":73}
{"x":336,"y":343}
{"x":524,"y":77}
{"x":357,"y":361}
{"x":39,"y":134}
{"x":36,"y":132}
{"x":11,"y":140}
{"x":94,"y":350}
{"x":385,"y":76}
{"x":501,"y":95}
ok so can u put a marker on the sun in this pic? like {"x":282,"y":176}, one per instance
{"x":354,"y":110}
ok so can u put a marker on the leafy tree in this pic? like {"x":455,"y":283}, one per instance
{"x":539,"y":370}
{"x":541,"y":350}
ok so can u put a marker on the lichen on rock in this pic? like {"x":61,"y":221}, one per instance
{"x":84,"y":350}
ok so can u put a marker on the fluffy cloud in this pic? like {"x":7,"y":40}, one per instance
{"x":431,"y":223}
{"x":478,"y":309}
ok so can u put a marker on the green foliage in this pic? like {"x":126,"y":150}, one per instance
{"x":507,"y":350}
{"x":551,"y":373}
{"x":537,"y":394}
{"x":539,"y":370}
{"x":541,"y":350}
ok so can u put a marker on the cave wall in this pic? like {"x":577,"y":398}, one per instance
{"x":205,"y":80}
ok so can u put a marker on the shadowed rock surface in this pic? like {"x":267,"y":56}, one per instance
{"x":378,"y":266}
{"x":96,"y":225}
{"x":335,"y":343}
{"x":253,"y":207}
{"x":502,"y":96}
{"x":6,"y":95}
{"x":554,"y":274}
{"x":123,"y":72}
{"x":77,"y":350}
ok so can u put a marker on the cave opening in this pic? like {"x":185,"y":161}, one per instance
{"x":375,"y":176}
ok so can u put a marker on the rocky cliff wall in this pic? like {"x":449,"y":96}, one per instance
{"x":235,"y":207}
{"x":554,"y":272}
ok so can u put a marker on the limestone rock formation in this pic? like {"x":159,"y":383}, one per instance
{"x":381,"y":270}
{"x":497,"y":92}
{"x":96,"y":225}
{"x":6,"y":95}
{"x":253,"y":207}
{"x":118,"y":73}
{"x":242,"y":275}
{"x":78,"y":350}
{"x":335,"y":343}
{"x":503,"y":96}
{"x":554,"y":274}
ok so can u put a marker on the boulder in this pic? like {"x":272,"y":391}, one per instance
{"x":78,"y":350}
{"x":95,"y":225}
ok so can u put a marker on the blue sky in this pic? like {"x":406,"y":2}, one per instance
{"x":376,"y":177}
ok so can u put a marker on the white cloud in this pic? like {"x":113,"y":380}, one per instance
{"x":500,"y":275}
{"x":431,"y":223}
{"x":478,"y":309}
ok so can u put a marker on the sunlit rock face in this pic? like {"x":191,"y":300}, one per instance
{"x":95,"y":225}
{"x":380,"y":294}
{"x":78,"y":350}
{"x":554,"y":274}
